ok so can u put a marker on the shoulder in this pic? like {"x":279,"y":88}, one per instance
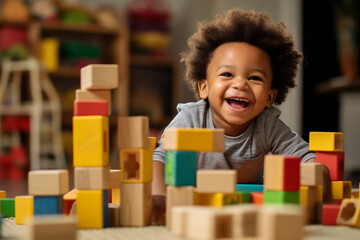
{"x":192,"y":106}
{"x":190,"y":114}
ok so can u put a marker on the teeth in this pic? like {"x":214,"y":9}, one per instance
{"x":239,"y":100}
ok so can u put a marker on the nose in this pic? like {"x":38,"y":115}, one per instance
{"x":240,"y":83}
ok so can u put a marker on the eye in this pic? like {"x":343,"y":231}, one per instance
{"x":256,"y":78}
{"x":226,"y":74}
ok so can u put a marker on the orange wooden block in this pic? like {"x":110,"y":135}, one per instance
{"x":257,"y":198}
{"x":90,"y":108}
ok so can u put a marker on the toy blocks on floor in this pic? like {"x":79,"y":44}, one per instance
{"x":24,"y":208}
{"x":7,"y":207}
{"x":90,"y":108}
{"x":194,"y":139}
{"x":330,"y":213}
{"x":133,"y":132}
{"x":349,"y":213}
{"x":48,"y":205}
{"x":91,"y":141}
{"x":340,"y":189}
{"x":48,"y":182}
{"x":69,"y":199}
{"x":311,"y":174}
{"x":99,"y":76}
{"x":334,"y":162}
{"x":136,"y":165}
{"x":281,"y":197}
{"x":326,"y":141}
{"x":180,"y":168}
{"x":92,"y":178}
{"x":213,"y":181}
{"x":94,"y":95}
{"x":309,"y":196}
{"x":217,"y":199}
{"x":178,"y":220}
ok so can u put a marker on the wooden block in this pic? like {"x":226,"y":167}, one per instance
{"x":326,"y":141}
{"x":355,"y":193}
{"x":48,"y":182}
{"x":349,"y":213}
{"x":47,"y":205}
{"x":69,"y":199}
{"x":245,"y":197}
{"x":335,"y":163}
{"x":177,"y":196}
{"x":194,"y":139}
{"x":257,"y":198}
{"x":158,"y":212}
{"x":178,"y":220}
{"x":281,"y":197}
{"x":311,"y":174}
{"x":249,"y":187}
{"x":114,"y":215}
{"x":329,"y":213}
{"x":318,"y":212}
{"x":99,"y":77}
{"x":92,"y":178}
{"x":7,"y":207}
{"x":309,"y":196}
{"x":115,"y":178}
{"x":51,"y":227}
{"x":136,"y":204}
{"x":341,"y":189}
{"x":180,"y":168}
{"x":94,"y":95}
{"x":281,"y":223}
{"x":136,"y":165}
{"x":282,"y":173}
{"x":115,"y":196}
{"x":217,"y":199}
{"x":24,"y":208}
{"x":91,"y":141}
{"x":213,"y":181}
{"x":90,"y":108}
{"x":133,"y":132}
{"x":92,"y":208}
{"x":2,"y":194}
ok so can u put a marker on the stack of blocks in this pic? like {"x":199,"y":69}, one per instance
{"x":181,"y":146}
{"x":91,"y":143}
{"x":136,"y":162}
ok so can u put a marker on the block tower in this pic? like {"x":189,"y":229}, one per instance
{"x":181,"y":146}
{"x":92,"y":108}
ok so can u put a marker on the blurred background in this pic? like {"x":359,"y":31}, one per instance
{"x":145,"y":37}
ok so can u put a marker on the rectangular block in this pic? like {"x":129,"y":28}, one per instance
{"x":177,"y":196}
{"x":326,"y":141}
{"x":99,"y":77}
{"x":91,"y":141}
{"x":311,"y":174}
{"x":90,"y":108}
{"x":180,"y":168}
{"x":133,"y":132}
{"x":282,"y":173}
{"x":136,"y":165}
{"x":194,"y":139}
{"x":94,"y":95}
{"x":281,"y":197}
{"x":308,"y":197}
{"x":257,"y":198}
{"x":92,"y":178}
{"x":330,"y":213}
{"x":341,"y":189}
{"x":51,"y":227}
{"x":115,"y":178}
{"x":48,"y":205}
{"x":214,"y":181}
{"x":24,"y":208}
{"x":92,"y":208}
{"x":249,"y":188}
{"x":136,"y":204}
{"x":7,"y":207}
{"x":335,"y":163}
{"x":217,"y":199}
{"x":48,"y":182}
{"x":349,"y":213}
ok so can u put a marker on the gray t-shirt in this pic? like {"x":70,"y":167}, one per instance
{"x":245,"y":153}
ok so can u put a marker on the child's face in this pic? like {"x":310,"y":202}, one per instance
{"x":237,"y":85}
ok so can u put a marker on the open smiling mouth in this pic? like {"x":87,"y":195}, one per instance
{"x":237,"y":102}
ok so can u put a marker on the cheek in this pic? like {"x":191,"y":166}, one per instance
{"x":218,"y":88}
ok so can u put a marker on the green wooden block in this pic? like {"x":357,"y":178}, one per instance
{"x":281,"y":197}
{"x":7,"y":207}
{"x":180,"y":168}
{"x":245,"y":197}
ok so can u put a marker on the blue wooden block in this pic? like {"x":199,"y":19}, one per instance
{"x":105,"y":208}
{"x":180,"y":168}
{"x":47,"y":205}
{"x":249,"y":188}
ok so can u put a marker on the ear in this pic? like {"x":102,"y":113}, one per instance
{"x":271,"y":97}
{"x":203,"y":89}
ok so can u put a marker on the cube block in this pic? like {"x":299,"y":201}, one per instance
{"x":341,"y":189}
{"x":213,"y":181}
{"x":24,"y":208}
{"x":48,"y":182}
{"x":136,"y":165}
{"x":133,"y":132}
{"x":335,"y":163}
{"x":99,"y":77}
{"x":7,"y":207}
{"x":180,"y":168}
{"x":326,"y":141}
{"x":92,"y":178}
{"x":311,"y":174}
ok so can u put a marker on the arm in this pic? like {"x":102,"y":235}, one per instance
{"x":158,"y":184}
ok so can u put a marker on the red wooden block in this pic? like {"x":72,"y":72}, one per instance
{"x":257,"y":198}
{"x":90,"y":108}
{"x":334,"y":161}
{"x":68,"y":205}
{"x":329,"y":213}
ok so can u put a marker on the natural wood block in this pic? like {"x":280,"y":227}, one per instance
{"x":213,"y":181}
{"x":334,"y":161}
{"x":69,"y":199}
{"x":217,"y":199}
{"x":92,"y":208}
{"x":355,"y":194}
{"x":281,"y":223}
{"x":92,"y":178}
{"x":282,"y":173}
{"x":308,"y":197}
{"x":90,"y":108}
{"x":194,"y":139}
{"x":341,"y":189}
{"x":311,"y":174}
{"x":326,"y":141}
{"x":51,"y":227}
{"x":24,"y":208}
{"x":136,"y":204}
{"x":349,"y":213}
{"x":133,"y":132}
{"x":48,"y":182}
{"x":114,"y":215}
{"x":48,"y":205}
{"x":330,"y":213}
{"x":115,"y":178}
{"x":7,"y":207}
{"x":177,"y":196}
{"x":178,"y":220}
{"x":99,"y":77}
{"x":94,"y":95}
{"x":136,"y":165}
{"x":180,"y":168}
{"x":91,"y":141}
{"x":281,"y":197}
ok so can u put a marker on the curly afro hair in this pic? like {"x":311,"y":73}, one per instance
{"x":243,"y":26}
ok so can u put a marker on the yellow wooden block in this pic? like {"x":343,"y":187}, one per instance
{"x":91,"y":141}
{"x":326,"y":141}
{"x":49,"y":53}
{"x":48,"y":182}
{"x":136,"y":165}
{"x":99,"y":76}
{"x":341,"y":189}
{"x":349,"y":213}
{"x":90,"y":208}
{"x":115,"y":196}
{"x":217,"y":199}
{"x":24,"y":208}
{"x":194,"y":139}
